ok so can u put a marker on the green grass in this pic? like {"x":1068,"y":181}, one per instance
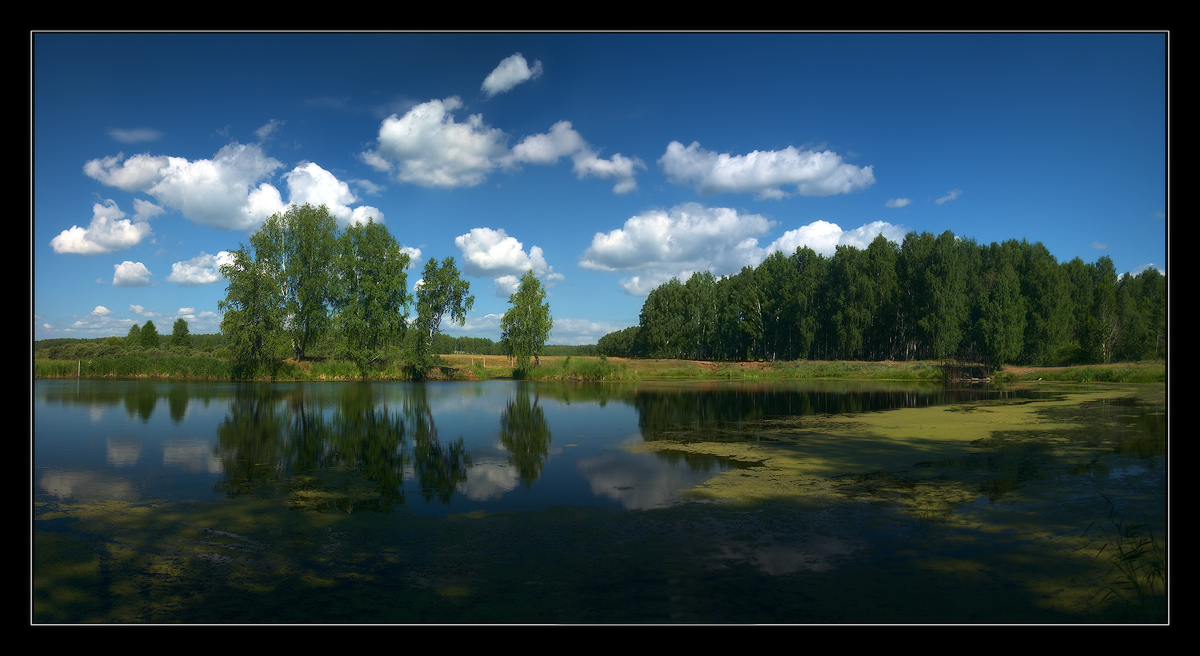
{"x":1117,"y":373}
{"x":147,"y":365}
{"x":197,"y":365}
{"x":582,"y":368}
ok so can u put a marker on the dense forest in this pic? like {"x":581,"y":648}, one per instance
{"x":926,"y":298}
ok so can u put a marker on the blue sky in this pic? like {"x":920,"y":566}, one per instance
{"x":605,"y":163}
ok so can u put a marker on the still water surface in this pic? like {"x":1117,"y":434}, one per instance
{"x":505,"y":501}
{"x":438,"y":448}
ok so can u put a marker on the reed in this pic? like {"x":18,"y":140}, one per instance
{"x":1136,"y":579}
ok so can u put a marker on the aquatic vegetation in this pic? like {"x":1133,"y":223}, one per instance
{"x":1137,"y":575}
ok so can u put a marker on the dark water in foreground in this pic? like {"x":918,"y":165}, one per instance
{"x":508,"y":502}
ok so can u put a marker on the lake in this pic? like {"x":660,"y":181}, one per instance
{"x":523,"y":502}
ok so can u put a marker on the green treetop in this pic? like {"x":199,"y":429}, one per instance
{"x":179,"y":333}
{"x":149,"y":336}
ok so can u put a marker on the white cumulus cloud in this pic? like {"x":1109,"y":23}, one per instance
{"x":494,"y":254}
{"x":138,"y":173}
{"x":429,"y":148}
{"x":109,"y":231}
{"x":898,"y":202}
{"x":230,"y":191}
{"x":130,"y":274}
{"x":309,"y":183}
{"x":200,"y":270}
{"x":564,"y":141}
{"x":657,"y":245}
{"x":824,"y":237}
{"x":489,"y":253}
{"x":101,"y":311}
{"x":506,"y":286}
{"x":513,"y":70}
{"x":685,"y":235}
{"x":765,"y":173}
{"x":226,"y":191}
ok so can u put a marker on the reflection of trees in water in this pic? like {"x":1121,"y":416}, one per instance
{"x":367,"y":438}
{"x":177,"y":402}
{"x":697,"y":462}
{"x":286,"y":438}
{"x":525,"y":434}
{"x":440,"y":468}
{"x":140,"y":399}
{"x":708,"y":414}
{"x":249,"y":440}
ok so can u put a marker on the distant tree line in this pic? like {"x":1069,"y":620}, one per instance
{"x":925,"y":298}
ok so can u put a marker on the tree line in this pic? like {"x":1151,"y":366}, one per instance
{"x":301,"y":281}
{"x":925,"y":298}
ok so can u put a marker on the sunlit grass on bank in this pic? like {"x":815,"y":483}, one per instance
{"x":193,"y":367}
{"x":203,"y":366}
{"x":1136,"y":372}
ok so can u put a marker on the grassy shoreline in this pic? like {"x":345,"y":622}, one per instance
{"x":583,"y":368}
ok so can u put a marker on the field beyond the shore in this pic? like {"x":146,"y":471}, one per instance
{"x":600,"y":368}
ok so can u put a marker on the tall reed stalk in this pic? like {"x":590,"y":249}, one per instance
{"x":1137,"y":573}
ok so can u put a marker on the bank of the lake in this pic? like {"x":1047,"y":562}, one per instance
{"x":581,"y":368}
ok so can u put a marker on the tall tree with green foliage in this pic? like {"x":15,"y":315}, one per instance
{"x":302,"y":242}
{"x":373,"y":299}
{"x":149,"y":336}
{"x":1154,"y":306}
{"x":1081,"y":324}
{"x":1001,"y":326}
{"x":441,"y":292}
{"x":526,"y":325}
{"x":179,"y":333}
{"x":1104,"y":309}
{"x":662,"y":322}
{"x":879,"y":264}
{"x":805,"y":298}
{"x":134,"y":337}
{"x":1047,"y":305}
{"x":772,"y":276}
{"x":254,"y":319}
{"x":702,"y":313}
{"x":933,"y":273}
{"x":743,"y":316}
{"x":851,"y":301}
